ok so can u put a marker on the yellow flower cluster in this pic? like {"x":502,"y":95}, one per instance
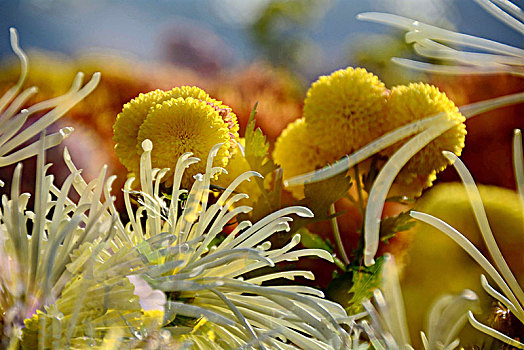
{"x":184,"y":119}
{"x":349,"y":109}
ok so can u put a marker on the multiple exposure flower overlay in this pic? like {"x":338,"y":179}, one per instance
{"x":223,"y":231}
{"x":75,"y":275}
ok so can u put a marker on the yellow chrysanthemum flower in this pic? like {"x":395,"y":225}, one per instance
{"x":345,"y":110}
{"x":418,"y":101}
{"x":297,"y":153}
{"x":128,"y":123}
{"x":182,"y":120}
{"x":183,"y":125}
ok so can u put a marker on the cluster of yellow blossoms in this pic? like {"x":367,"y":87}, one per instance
{"x":350,"y":108}
{"x":343,"y":112}
{"x":184,"y":119}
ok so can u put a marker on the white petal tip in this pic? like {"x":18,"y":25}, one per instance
{"x":147,"y":145}
{"x":80,"y":76}
{"x":369,"y":261}
{"x":14,"y":35}
{"x":449,"y":155}
{"x":304,"y":212}
{"x":364,"y":16}
{"x":65,"y":132}
{"x":413,"y":214}
{"x":469,"y":294}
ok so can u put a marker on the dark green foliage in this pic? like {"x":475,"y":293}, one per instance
{"x":364,"y":281}
{"x":314,"y":241}
{"x":390,"y":226}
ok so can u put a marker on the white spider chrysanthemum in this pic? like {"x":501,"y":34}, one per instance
{"x":388,"y":328}
{"x":13,"y":118}
{"x":243,"y":312}
{"x":48,"y":257}
{"x":432,"y":42}
{"x":512,"y":296}
{"x":82,"y":262}
{"x":31,"y":240}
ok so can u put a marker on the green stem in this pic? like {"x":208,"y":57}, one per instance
{"x":360,"y":247}
{"x":336,"y":233}
{"x":339,"y":263}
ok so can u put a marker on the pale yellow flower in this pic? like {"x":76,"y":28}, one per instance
{"x":510,"y":293}
{"x":428,"y":275}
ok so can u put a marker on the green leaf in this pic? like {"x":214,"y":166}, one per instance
{"x":257,"y":155}
{"x":364,"y":281}
{"x":256,"y":146}
{"x":390,"y":226}
{"x":314,"y":241}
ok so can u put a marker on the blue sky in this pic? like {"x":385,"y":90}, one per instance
{"x":139,"y":27}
